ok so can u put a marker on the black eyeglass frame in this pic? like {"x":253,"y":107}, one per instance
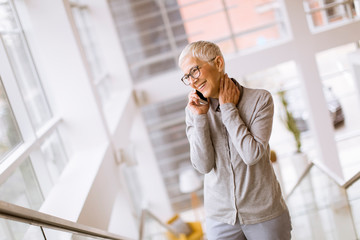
{"x":197,"y":68}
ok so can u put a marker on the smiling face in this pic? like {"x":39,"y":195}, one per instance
{"x":210,"y":73}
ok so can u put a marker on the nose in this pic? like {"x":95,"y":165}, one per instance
{"x":193,"y":80}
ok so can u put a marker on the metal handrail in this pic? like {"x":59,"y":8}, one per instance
{"x":32,"y":217}
{"x":343,"y":184}
{"x":352,"y":180}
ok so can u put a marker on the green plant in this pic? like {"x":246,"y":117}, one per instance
{"x":290,"y":122}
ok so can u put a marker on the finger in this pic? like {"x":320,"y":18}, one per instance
{"x":223,"y":83}
{"x":226,"y":82}
{"x":194,"y":99}
{"x":193,"y":94}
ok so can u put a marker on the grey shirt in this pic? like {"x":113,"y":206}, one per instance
{"x":230,"y":145}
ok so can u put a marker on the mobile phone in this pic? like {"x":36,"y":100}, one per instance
{"x":203,"y":99}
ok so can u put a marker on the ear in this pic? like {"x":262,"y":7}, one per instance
{"x":219,"y":63}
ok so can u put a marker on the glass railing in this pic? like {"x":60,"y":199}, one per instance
{"x":176,"y":228}
{"x":152,"y":228}
{"x":322,"y":208}
{"x":18,"y":223}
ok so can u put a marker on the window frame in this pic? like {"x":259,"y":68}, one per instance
{"x":32,"y":138}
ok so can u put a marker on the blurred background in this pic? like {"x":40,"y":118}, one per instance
{"x":92,"y":110}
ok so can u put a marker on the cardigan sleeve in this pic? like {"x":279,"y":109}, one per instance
{"x":201,"y":148}
{"x":250,"y":141}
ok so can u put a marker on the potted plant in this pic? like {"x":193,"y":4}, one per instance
{"x":299,"y":158}
{"x":290,"y":122}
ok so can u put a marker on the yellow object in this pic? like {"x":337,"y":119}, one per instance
{"x":273,"y":157}
{"x":196,"y":234}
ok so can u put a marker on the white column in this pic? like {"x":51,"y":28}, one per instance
{"x":307,"y":66}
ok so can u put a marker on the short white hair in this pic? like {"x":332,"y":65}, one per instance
{"x":202,"y":50}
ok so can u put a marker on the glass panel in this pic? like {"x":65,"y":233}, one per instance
{"x":27,"y":79}
{"x":13,"y":230}
{"x":54,"y":156}
{"x":7,"y":21}
{"x":90,"y":46}
{"x":343,"y":100}
{"x":152,"y":229}
{"x":201,"y":24}
{"x":106,"y":88}
{"x":132,"y":180}
{"x":327,"y":12}
{"x":256,"y":23}
{"x":149,"y":32}
{"x":354,"y":199}
{"x":284,"y":79}
{"x":9,"y":133}
{"x":83,"y":237}
{"x":22,"y":187}
{"x":260,"y":37}
{"x":23,"y":66}
{"x":57,"y":234}
{"x":319,"y":209}
{"x":154,"y":32}
{"x":82,"y":23}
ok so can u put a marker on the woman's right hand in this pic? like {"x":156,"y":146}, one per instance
{"x":194,"y":104}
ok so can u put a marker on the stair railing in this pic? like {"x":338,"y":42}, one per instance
{"x":28,"y":216}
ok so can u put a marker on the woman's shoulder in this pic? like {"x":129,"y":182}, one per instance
{"x":257,"y":93}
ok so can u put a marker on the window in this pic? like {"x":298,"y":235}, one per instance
{"x":98,"y":71}
{"x":322,"y":13}
{"x":153,"y":32}
{"x":22,"y":188}
{"x":54,"y":157}
{"x":9,"y":132}
{"x":29,"y":138}
{"x":21,"y":62}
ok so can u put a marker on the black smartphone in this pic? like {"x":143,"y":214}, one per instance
{"x":203,"y":99}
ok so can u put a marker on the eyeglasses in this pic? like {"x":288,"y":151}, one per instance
{"x":194,"y":73}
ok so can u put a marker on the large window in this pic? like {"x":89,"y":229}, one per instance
{"x":19,"y":57}
{"x":154,"y":32}
{"x":323,"y":13}
{"x":98,"y":72}
{"x":9,"y":132}
{"x":22,"y":188}
{"x":31,"y":154}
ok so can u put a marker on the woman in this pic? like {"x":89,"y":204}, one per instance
{"x":229,"y":143}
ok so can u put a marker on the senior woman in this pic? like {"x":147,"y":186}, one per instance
{"x":229,"y":143}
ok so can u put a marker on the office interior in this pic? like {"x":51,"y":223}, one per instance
{"x":92,"y":111}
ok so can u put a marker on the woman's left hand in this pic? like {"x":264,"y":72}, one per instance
{"x":229,"y":92}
